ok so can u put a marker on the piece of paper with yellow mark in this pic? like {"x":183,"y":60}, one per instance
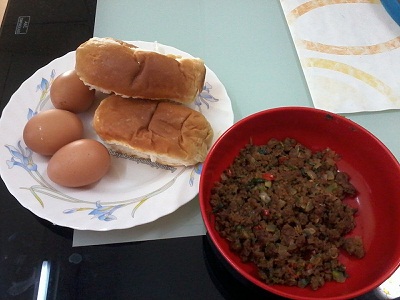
{"x":349,"y":51}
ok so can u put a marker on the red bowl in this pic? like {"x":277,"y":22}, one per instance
{"x":373,"y":170}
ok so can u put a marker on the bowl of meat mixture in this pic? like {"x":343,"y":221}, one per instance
{"x":303,"y":203}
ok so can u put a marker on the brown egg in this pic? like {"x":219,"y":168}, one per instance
{"x":70,"y":93}
{"x":79,"y":163}
{"x":49,"y":130}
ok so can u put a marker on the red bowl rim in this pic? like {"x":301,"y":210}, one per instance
{"x":214,"y":235}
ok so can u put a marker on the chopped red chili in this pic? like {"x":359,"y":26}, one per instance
{"x":268,"y":176}
{"x":266,"y":212}
{"x":282,"y":159}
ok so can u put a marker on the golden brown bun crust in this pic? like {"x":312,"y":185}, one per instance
{"x":111,"y":65}
{"x":165,"y":132}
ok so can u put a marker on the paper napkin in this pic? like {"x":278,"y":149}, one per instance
{"x":349,"y":51}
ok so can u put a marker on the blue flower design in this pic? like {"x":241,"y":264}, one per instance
{"x":205,"y":97}
{"x":45,"y":84}
{"x":105,"y":213}
{"x":31,"y":113}
{"x":44,"y":88}
{"x":21,"y":157}
{"x":196,"y":170}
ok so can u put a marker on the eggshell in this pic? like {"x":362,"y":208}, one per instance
{"x":79,"y":163}
{"x":70,"y":93}
{"x":49,"y":130}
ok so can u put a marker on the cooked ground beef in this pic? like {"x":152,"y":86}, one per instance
{"x":280,"y":207}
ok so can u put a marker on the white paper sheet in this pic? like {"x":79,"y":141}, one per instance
{"x":349,"y":51}
{"x":186,"y":221}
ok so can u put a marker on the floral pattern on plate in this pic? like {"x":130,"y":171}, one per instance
{"x":168,"y":188}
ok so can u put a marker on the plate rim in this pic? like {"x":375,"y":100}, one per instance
{"x":102,"y":226}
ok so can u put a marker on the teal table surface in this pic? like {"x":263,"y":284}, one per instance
{"x":246,"y":43}
{"x":249,"y":46}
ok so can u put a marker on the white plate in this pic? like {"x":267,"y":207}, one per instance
{"x":132,"y":193}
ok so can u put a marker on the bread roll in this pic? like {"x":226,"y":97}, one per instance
{"x":111,"y":65}
{"x":165,"y":132}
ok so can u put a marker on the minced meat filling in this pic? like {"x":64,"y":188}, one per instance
{"x":280,"y":206}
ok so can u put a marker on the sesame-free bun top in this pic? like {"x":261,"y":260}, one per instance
{"x":114,"y":66}
{"x":162,"y":131}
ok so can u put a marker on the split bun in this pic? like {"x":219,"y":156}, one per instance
{"x":162,"y":131}
{"x":113,"y":66}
